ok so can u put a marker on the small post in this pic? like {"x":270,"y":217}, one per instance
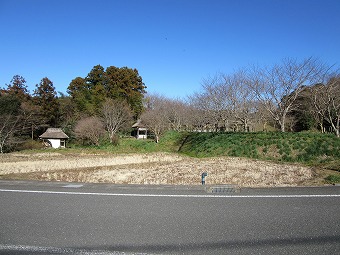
{"x":203,"y":177}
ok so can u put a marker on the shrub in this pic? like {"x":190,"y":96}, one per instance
{"x":89,"y":130}
{"x":30,"y":145}
{"x":115,"y":140}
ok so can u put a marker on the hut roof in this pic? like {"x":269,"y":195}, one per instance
{"x":138,"y":124}
{"x":55,"y":133}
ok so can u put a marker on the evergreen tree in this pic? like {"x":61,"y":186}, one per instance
{"x":124,"y":83}
{"x":81,"y":95}
{"x":45,"y":97}
{"x":18,"y":88}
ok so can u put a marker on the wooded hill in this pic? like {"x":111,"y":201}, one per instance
{"x":291,"y":95}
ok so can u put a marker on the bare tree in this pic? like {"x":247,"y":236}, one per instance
{"x":10,"y":119}
{"x":333,"y":109}
{"x":8,"y":126}
{"x":155,"y":117}
{"x":201,"y":117}
{"x":326,"y":102}
{"x":226,"y":100}
{"x":278,"y":87}
{"x":241,"y":98}
{"x":196,"y":118}
{"x":90,"y":130}
{"x":320,"y":104}
{"x":262,"y":116}
{"x":176,"y":112}
{"x":117,"y":114}
{"x":213,"y":102}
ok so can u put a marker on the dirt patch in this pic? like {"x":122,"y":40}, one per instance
{"x":155,"y":168}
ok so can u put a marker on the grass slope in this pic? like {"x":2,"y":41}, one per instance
{"x":316,"y":149}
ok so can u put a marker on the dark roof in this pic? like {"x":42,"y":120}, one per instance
{"x":55,"y":133}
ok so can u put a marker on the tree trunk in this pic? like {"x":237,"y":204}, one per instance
{"x":322,"y":128}
{"x":337,"y":130}
{"x":283,"y":122}
{"x":245,"y":125}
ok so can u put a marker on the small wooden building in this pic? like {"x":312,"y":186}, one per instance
{"x":54,"y":137}
{"x":139,"y":130}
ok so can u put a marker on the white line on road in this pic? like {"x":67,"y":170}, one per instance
{"x":53,"y":250}
{"x":166,"y":195}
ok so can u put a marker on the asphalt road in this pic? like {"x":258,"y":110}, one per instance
{"x":63,"y":218}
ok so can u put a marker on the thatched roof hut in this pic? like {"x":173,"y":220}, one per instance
{"x":139,"y":130}
{"x":55,"y":137}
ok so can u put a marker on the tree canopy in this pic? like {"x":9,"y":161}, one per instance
{"x":45,"y":96}
{"x":18,"y":88}
{"x":90,"y":92}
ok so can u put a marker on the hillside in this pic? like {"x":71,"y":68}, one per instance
{"x":321,"y":150}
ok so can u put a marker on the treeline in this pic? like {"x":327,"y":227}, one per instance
{"x":291,"y":95}
{"x":105,"y":100}
{"x":23,"y":114}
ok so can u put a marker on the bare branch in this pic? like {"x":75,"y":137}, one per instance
{"x":277,"y":88}
{"x":89,"y":130}
{"x":117,"y":115}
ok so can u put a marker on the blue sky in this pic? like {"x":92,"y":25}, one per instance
{"x":174,"y":44}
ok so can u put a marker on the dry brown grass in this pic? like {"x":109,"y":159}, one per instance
{"x":154,"y":168}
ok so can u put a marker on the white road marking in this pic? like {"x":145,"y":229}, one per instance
{"x":167,"y":195}
{"x":54,"y":250}
{"x":73,"y":186}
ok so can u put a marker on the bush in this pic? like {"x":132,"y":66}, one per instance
{"x":30,"y":145}
{"x":89,"y":130}
{"x":115,"y":140}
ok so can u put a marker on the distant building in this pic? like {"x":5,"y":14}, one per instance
{"x":54,"y":137}
{"x":139,"y":130}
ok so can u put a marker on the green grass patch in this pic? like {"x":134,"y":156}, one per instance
{"x":333,"y":178}
{"x":170,"y":142}
{"x":309,"y":148}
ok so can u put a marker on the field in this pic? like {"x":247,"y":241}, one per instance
{"x":243,"y":159}
{"x":153,"y":168}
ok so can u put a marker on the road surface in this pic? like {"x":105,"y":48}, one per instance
{"x":73,"y":218}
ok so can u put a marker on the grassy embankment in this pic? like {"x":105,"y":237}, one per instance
{"x":313,"y":149}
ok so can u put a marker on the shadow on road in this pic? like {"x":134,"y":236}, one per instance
{"x":326,"y":243}
{"x":330,"y":241}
